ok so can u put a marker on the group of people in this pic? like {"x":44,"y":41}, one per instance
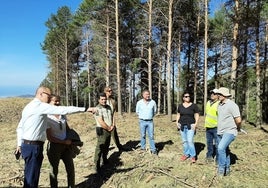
{"x":222,"y":123}
{"x":44,"y":118}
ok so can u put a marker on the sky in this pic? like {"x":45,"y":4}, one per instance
{"x":23,"y":65}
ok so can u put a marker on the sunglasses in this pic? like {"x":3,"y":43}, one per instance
{"x":47,"y":94}
{"x":186,"y":96}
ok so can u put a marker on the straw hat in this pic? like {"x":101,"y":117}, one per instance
{"x":214,"y":91}
{"x":224,"y":91}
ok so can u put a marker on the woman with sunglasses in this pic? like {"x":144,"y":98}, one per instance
{"x":187,"y":119}
{"x":58,"y":146}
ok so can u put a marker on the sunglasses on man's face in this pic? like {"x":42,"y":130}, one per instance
{"x":186,"y":96}
{"x":48,"y":95}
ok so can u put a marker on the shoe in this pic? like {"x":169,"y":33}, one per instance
{"x":193,"y":160}
{"x":227,"y":172}
{"x":220,"y":173}
{"x":154,"y":152}
{"x":209,"y":160}
{"x":184,"y":157}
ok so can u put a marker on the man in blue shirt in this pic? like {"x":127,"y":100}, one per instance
{"x":146,"y":109}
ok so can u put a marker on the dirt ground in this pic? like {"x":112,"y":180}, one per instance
{"x":141,"y":169}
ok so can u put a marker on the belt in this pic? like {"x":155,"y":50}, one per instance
{"x":146,"y":119}
{"x":31,"y":142}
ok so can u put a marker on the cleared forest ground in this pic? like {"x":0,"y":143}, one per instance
{"x":139,"y":169}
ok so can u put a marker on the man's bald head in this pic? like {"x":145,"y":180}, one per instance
{"x":43,"y":94}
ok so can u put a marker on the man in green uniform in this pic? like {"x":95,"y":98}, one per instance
{"x":105,"y":125}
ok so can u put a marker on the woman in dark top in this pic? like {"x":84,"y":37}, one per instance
{"x":187,"y":119}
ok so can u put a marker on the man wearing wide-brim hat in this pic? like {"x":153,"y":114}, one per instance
{"x":229,"y":123}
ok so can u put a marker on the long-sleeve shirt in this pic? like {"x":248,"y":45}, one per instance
{"x":33,"y":123}
{"x":146,"y":109}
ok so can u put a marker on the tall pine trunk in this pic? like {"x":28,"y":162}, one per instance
{"x":66,"y":69}
{"x":168,"y":59}
{"x":205,"y":55}
{"x":234,"y":51}
{"x":107,"y":49}
{"x":119,"y":100}
{"x":150,"y":48}
{"x":258,"y":75}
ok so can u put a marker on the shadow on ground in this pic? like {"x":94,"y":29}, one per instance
{"x":97,"y":180}
{"x":199,"y":147}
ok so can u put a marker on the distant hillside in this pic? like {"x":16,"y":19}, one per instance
{"x":26,"y":96}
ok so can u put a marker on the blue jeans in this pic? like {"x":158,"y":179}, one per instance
{"x":33,"y":157}
{"x":224,"y":160}
{"x":212,"y":140}
{"x":187,"y":136}
{"x":147,"y":126}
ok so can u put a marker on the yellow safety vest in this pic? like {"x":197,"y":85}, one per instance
{"x":211,"y":114}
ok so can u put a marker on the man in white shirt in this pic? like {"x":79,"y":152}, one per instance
{"x":31,"y":133}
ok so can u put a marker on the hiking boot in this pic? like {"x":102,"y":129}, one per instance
{"x":227,"y":172}
{"x":154,"y":152}
{"x":184,"y":157}
{"x":209,"y":160}
{"x":193,"y":160}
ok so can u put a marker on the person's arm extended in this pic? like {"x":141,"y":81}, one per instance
{"x":92,"y":110}
{"x":45,"y":108}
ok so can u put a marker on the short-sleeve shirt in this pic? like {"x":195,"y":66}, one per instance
{"x":105,"y":112}
{"x":187,"y":114}
{"x":227,"y":112}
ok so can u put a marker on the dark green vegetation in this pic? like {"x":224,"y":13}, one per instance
{"x":161,"y":46}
